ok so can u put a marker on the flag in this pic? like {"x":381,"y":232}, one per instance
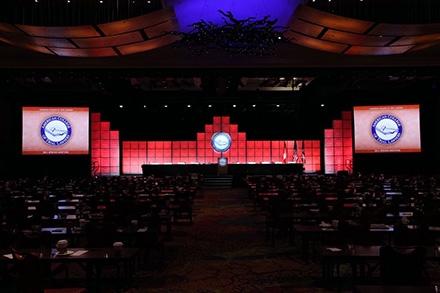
{"x":303,"y":154}
{"x":295,"y":152}
{"x":285,"y":153}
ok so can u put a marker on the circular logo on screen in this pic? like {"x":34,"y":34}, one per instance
{"x":56,"y":130}
{"x":221,"y":141}
{"x":386,"y":129}
{"x":222,"y":162}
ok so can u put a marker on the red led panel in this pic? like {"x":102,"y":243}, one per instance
{"x":105,"y":156}
{"x":338,"y":145}
{"x":200,"y":151}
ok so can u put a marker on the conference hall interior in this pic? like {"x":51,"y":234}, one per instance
{"x":219,"y":146}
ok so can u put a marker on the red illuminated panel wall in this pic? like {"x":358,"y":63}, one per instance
{"x":105,"y":148}
{"x":338,"y":145}
{"x":242,"y":151}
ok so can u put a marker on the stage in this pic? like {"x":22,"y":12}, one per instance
{"x":213,"y":169}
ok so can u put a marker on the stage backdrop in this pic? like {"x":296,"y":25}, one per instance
{"x":200,"y":151}
{"x":387,"y":129}
{"x":55,"y":131}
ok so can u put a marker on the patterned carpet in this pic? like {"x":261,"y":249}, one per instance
{"x":225,"y":250}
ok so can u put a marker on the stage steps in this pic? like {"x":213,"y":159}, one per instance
{"x":218,"y":182}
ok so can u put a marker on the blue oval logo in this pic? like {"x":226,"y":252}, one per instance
{"x":56,"y":130}
{"x":221,"y":141}
{"x":386,"y":129}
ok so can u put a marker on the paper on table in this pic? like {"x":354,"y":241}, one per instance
{"x":79,"y":252}
{"x":10,"y":256}
{"x":334,"y":249}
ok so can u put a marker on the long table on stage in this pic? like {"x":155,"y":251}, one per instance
{"x":233,"y":169}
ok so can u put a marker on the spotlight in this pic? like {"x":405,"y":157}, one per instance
{"x":253,"y":106}
{"x":145,"y":106}
{"x":68,"y":1}
{"x":121,"y":106}
{"x":165,"y":106}
{"x":209,"y":106}
{"x":188,"y":106}
{"x":101,"y":1}
{"x":234,"y":106}
{"x":322,"y":105}
{"x":36,"y":1}
{"x":148,"y":2}
{"x":278,"y":105}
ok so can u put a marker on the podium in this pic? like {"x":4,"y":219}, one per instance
{"x":222,"y":165}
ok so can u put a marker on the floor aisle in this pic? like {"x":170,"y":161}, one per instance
{"x":225,"y":250}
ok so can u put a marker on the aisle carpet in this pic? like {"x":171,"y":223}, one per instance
{"x":225,"y":250}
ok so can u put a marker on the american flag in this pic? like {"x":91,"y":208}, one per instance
{"x":295,"y":152}
{"x":285,"y":153}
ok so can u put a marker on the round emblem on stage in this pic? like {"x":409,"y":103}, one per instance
{"x":386,"y":129}
{"x":222,"y":162}
{"x":56,"y":130}
{"x":221,"y":141}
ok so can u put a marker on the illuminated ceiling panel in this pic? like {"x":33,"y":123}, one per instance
{"x":137,"y":23}
{"x":306,"y":28}
{"x":422,"y":39}
{"x":100,"y":52}
{"x":110,"y":41}
{"x":161,"y":29}
{"x":85,"y":31}
{"x":359,"y":50}
{"x":356,"y":39}
{"x":8,"y":28}
{"x":147,"y":45}
{"x":316,"y":43}
{"x":26,"y":46}
{"x":386,"y":29}
{"x":325,"y":31}
{"x":332,"y":21}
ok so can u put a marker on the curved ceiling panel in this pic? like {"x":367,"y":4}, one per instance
{"x":134,"y":35}
{"x":324,"y":31}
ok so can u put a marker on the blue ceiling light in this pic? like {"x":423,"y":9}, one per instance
{"x":192,"y":11}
